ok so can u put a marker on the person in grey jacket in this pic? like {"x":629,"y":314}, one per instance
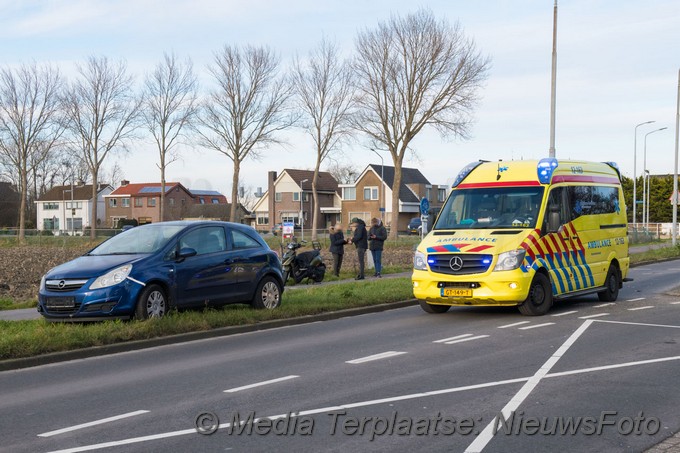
{"x":360,"y":241}
{"x":377,"y":235}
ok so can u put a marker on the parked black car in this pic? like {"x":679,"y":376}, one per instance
{"x":146,"y":270}
{"x":414,"y":225}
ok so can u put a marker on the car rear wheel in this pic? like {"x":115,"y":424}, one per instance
{"x":432,"y":308}
{"x":268,"y":294}
{"x":152,"y":303}
{"x":612,"y":284}
{"x":540,"y":297}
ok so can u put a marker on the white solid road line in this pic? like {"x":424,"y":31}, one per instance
{"x":466,"y":339}
{"x":604,"y":305}
{"x":487,"y":434}
{"x":514,"y":324}
{"x":382,"y":355}
{"x":94,"y":423}
{"x":325,"y":410}
{"x":258,"y":384}
{"x":537,"y":325}
{"x":453,"y":338}
{"x":641,"y":308}
{"x":635,"y":300}
{"x":675,"y":303}
{"x":593,"y":316}
{"x":566,"y":313}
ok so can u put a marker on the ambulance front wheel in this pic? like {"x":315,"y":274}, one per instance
{"x":612,"y":284}
{"x":540,"y":298}
{"x":431,"y":308}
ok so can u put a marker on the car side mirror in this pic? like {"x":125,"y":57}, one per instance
{"x":186,"y":252}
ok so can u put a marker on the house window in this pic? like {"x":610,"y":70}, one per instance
{"x":74,"y":224}
{"x":139,"y":202}
{"x":441,"y":195}
{"x":74,"y":205}
{"x":263,"y":218}
{"x":151,"y":202}
{"x":113,"y":202}
{"x":278,"y":197}
{"x":296,"y":196}
{"x":428,"y":193}
{"x":171,"y":201}
{"x":214,"y":201}
{"x":50,"y":206}
{"x":125,"y":202}
{"x":201,"y":200}
{"x":349,"y":193}
{"x":370,"y":193}
{"x":51,"y":224}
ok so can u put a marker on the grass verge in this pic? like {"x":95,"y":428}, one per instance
{"x":655,"y":255}
{"x":30,"y":338}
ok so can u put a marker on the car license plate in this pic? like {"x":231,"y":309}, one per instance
{"x":456,"y":292}
{"x":60,"y":302}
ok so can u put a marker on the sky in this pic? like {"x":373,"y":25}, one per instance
{"x":617,"y":66}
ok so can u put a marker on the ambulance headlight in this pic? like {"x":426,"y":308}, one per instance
{"x":420,"y":261}
{"x":508,"y":261}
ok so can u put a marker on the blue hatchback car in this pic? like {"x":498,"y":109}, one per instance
{"x":145,"y":271}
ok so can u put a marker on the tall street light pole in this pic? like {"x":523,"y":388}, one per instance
{"x":302,"y":212}
{"x":674,"y":228}
{"x":553,"y":83}
{"x":381,"y":205}
{"x":635,"y":175}
{"x":645,"y":207}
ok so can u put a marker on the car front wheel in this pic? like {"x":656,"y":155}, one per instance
{"x":152,"y":303}
{"x":268,"y":294}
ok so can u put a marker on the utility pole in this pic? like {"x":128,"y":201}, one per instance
{"x":674,"y":229}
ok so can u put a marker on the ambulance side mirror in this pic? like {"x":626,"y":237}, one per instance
{"x":553,"y":219}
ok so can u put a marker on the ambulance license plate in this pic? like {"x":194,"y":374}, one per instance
{"x":456,"y":292}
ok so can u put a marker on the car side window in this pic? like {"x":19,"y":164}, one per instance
{"x":241,"y":240}
{"x":205,"y":240}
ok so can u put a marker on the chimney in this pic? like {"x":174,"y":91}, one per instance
{"x":124,"y":183}
{"x":271,"y":177}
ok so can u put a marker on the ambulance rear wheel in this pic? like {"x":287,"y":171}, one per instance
{"x":612,"y":284}
{"x":431,"y":308}
{"x":540,"y":297}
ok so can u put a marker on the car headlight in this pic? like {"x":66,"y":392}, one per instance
{"x":42,"y":283}
{"x":511,"y":260}
{"x":420,"y":261}
{"x":112,"y":277}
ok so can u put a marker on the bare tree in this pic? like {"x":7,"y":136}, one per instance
{"x":343,"y":172}
{"x":102,"y":111}
{"x":324,"y":87}
{"x":244,"y":114}
{"x":413,"y":72}
{"x":169,"y":108}
{"x":30,"y":123}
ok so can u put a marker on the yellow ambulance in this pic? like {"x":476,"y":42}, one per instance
{"x":525,"y":233}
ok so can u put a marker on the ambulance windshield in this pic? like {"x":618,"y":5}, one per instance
{"x":494,"y":207}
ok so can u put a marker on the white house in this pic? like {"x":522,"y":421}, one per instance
{"x":67,"y":209}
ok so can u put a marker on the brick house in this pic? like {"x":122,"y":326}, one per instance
{"x":141,"y":201}
{"x":371,"y":195}
{"x":290,"y":194}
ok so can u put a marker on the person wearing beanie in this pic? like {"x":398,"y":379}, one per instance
{"x":360,"y":241}
{"x":337,"y":247}
{"x":377,"y":235}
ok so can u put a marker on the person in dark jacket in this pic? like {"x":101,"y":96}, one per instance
{"x":377,"y":235}
{"x":360,"y":241}
{"x":337,"y":247}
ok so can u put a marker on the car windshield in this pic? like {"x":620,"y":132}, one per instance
{"x":494,"y":207}
{"x":142,"y":239}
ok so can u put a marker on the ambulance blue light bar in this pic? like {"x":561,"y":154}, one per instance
{"x":466,"y":171}
{"x":545,"y":169}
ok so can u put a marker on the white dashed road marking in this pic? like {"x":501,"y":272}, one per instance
{"x":566,"y":313}
{"x":514,"y":324}
{"x":453,"y":338}
{"x":382,"y":355}
{"x":94,"y":423}
{"x":258,"y":384}
{"x":641,"y":308}
{"x":635,"y":300}
{"x":537,"y":325}
{"x":604,"y":305}
{"x":593,"y":316}
{"x":466,"y":339}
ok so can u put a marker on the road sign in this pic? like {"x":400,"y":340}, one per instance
{"x":424,"y":206}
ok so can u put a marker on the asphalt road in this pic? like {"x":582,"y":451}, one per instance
{"x":400,"y":380}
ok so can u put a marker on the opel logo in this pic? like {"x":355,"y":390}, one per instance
{"x":456,"y":263}
{"x":62,"y":283}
